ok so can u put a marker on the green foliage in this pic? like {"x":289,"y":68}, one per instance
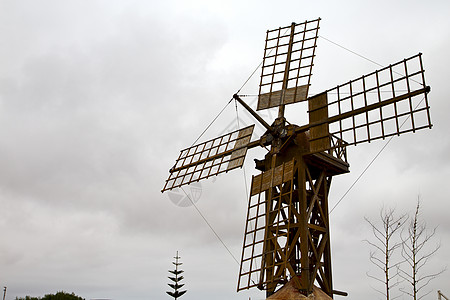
{"x":58,"y":296}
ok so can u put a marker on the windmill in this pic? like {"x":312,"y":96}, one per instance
{"x":287,"y":235}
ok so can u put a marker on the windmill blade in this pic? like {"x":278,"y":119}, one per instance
{"x":287,"y":64}
{"x":266,"y":247}
{"x":390,"y":101}
{"x":210,"y":158}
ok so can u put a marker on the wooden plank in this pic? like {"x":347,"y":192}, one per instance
{"x":291,"y":95}
{"x":278,"y":175}
{"x":318,"y":111}
{"x":256,"y":185}
{"x":288,"y":171}
{"x":266,"y":180}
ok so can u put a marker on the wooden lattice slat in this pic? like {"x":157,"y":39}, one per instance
{"x":210,"y":158}
{"x":269,"y":217}
{"x":287,"y":64}
{"x":390,"y":101}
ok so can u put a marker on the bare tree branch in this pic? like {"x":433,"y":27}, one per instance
{"x":413,"y":251}
{"x":385,"y":244}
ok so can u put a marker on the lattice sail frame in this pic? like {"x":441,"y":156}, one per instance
{"x":265,"y":245}
{"x":287,"y":64}
{"x":390,"y":101}
{"x":210,"y":158}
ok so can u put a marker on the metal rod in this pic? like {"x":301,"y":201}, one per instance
{"x":340,"y":293}
{"x":253,"y":113}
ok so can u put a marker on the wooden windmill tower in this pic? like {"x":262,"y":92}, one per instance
{"x":287,"y":235}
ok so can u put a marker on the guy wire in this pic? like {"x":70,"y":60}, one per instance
{"x":373,"y":160}
{"x":207,"y":127}
{"x":210,"y":226}
{"x":243,"y":167}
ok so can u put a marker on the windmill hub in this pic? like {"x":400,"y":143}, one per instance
{"x":279,"y":127}
{"x":285,"y":147}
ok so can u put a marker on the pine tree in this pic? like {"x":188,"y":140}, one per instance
{"x":176,"y":286}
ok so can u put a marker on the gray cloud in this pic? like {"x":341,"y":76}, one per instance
{"x":97,"y":98}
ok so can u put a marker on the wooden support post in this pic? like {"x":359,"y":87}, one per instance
{"x":305,"y":278}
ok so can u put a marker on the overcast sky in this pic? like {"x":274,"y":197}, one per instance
{"x":97,"y":98}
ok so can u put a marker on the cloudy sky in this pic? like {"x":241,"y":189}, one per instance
{"x":98,"y":97}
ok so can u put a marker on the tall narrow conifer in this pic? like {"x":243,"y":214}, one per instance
{"x":176,"y":285}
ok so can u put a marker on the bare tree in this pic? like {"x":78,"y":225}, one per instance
{"x":384,"y":246}
{"x":416,"y":256}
